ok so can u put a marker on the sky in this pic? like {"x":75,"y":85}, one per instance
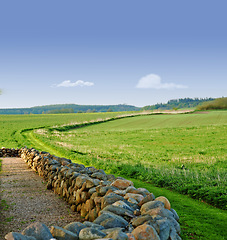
{"x":111,"y":51}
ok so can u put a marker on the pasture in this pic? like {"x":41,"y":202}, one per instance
{"x":183,"y":153}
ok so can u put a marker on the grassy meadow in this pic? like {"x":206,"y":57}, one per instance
{"x":186,"y":153}
{"x":179,"y":156}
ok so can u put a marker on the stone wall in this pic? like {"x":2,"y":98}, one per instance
{"x":112,"y":208}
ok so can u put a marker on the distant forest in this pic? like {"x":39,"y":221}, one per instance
{"x":178,"y":104}
{"x":74,"y":108}
{"x":69,"y":108}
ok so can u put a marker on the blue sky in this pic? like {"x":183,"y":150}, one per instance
{"x":111,"y":52}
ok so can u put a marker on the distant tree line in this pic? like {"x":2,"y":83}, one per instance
{"x":70,"y":108}
{"x":178,"y":103}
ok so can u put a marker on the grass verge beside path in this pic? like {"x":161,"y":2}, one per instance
{"x":197,"y":219}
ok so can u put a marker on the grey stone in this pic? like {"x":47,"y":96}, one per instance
{"x":141,"y":220}
{"x":91,"y":233}
{"x":93,"y":225}
{"x":175,"y":224}
{"x":162,"y":227}
{"x":118,"y":235}
{"x":100,"y":176}
{"x":123,"y":205}
{"x":119,"y":211}
{"x":18,"y":236}
{"x":75,"y":227}
{"x":175,"y":214}
{"x":110,"y":199}
{"x":150,"y":205}
{"x":38,"y":230}
{"x":110,"y":220}
{"x":63,"y":234}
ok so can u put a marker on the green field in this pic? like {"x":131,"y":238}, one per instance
{"x":183,"y":153}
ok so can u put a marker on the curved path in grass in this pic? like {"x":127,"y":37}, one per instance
{"x":198,"y":220}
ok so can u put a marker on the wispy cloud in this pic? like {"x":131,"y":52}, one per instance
{"x":155,"y":81}
{"x":68,"y":83}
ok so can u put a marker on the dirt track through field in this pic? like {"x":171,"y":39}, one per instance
{"x":25,"y":199}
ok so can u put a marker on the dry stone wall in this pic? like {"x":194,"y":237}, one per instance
{"x":112,"y":208}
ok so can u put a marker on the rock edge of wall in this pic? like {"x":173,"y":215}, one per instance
{"x":111,"y":206}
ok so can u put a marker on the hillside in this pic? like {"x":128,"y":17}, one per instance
{"x":178,"y":103}
{"x":218,"y":103}
{"x":70,"y":108}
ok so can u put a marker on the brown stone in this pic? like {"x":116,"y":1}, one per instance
{"x":137,"y":197}
{"x":148,"y":198}
{"x":122,"y":184}
{"x":145,"y":232}
{"x":165,"y":201}
{"x":130,"y":236}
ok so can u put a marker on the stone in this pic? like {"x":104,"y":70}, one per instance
{"x":137,"y":197}
{"x":165,"y":201}
{"x":143,"y":190}
{"x":110,"y":230}
{"x":141,"y":220}
{"x":110,"y":199}
{"x":175,"y":224}
{"x":175,"y":215}
{"x":145,"y":232}
{"x":173,"y":234}
{"x":161,"y":211}
{"x":148,"y":198}
{"x":118,"y":210}
{"x":133,"y":201}
{"x":63,"y":234}
{"x":100,"y":176}
{"x":80,"y":180}
{"x":93,"y":214}
{"x":18,"y":236}
{"x":38,"y":230}
{"x":93,"y":225}
{"x":75,"y":227}
{"x":91,"y":233}
{"x":130,"y":236}
{"x":117,"y":235}
{"x":102,"y":190}
{"x":162,"y":226}
{"x":150,"y":205}
{"x":122,"y":184}
{"x":123,"y":205}
{"x":111,"y":220}
{"x":120,"y":192}
{"x":90,"y":183}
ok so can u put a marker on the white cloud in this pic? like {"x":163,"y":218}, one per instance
{"x":68,"y":83}
{"x":155,"y":81}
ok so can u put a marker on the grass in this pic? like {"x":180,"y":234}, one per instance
{"x":185,"y":153}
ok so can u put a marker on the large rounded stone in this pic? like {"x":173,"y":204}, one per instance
{"x":150,"y":205}
{"x":38,"y":230}
{"x":122,"y":184}
{"x":17,"y":236}
{"x":63,"y":234}
{"x":117,"y":235}
{"x":145,"y":232}
{"x":91,"y":233}
{"x":165,"y":201}
{"x":75,"y":227}
{"x":118,"y":210}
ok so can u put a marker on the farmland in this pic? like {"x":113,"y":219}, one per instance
{"x":184,"y":153}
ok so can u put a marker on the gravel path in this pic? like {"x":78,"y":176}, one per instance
{"x":25,"y":199}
